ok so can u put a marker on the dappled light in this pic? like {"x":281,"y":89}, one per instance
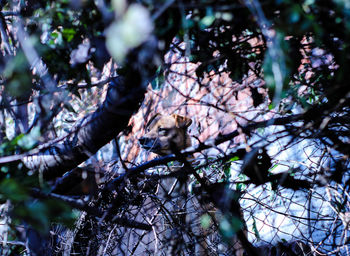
{"x":174,"y":127}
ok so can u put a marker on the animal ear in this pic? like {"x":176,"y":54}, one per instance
{"x":181,"y":121}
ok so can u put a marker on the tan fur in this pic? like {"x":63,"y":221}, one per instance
{"x":164,"y":134}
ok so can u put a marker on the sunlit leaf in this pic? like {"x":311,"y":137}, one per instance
{"x":206,"y":221}
{"x":68,"y":34}
{"x":130,"y":31}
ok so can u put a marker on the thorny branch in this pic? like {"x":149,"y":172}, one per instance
{"x":81,"y":205}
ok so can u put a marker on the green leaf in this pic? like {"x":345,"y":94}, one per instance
{"x":226,"y":228}
{"x":235,"y":158}
{"x":205,"y":221}
{"x":60,"y":17}
{"x":4,"y":169}
{"x":229,"y":226}
{"x":276,"y":70}
{"x":158,"y":81}
{"x":227,"y":169}
{"x":54,"y":35}
{"x":255,"y":229}
{"x":273,"y":167}
{"x":207,"y":21}
{"x":68,"y":34}
{"x":241,"y":186}
{"x":41,"y":214}
{"x":28,"y":141}
{"x":59,"y":211}
{"x":11,"y":190}
{"x":18,"y":75}
{"x":35,"y":214}
{"x":294,"y":15}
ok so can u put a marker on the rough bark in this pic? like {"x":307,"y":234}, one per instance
{"x":94,"y":131}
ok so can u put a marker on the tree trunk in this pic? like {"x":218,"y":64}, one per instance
{"x":124,"y":95}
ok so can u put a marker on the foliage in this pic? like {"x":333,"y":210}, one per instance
{"x":58,"y":55}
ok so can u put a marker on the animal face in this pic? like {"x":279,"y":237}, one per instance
{"x":164,"y":134}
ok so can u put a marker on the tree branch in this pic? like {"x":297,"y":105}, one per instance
{"x":80,"y":205}
{"x":89,"y":135}
{"x":202,"y":146}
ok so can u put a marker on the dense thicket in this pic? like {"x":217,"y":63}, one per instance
{"x":89,"y":63}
